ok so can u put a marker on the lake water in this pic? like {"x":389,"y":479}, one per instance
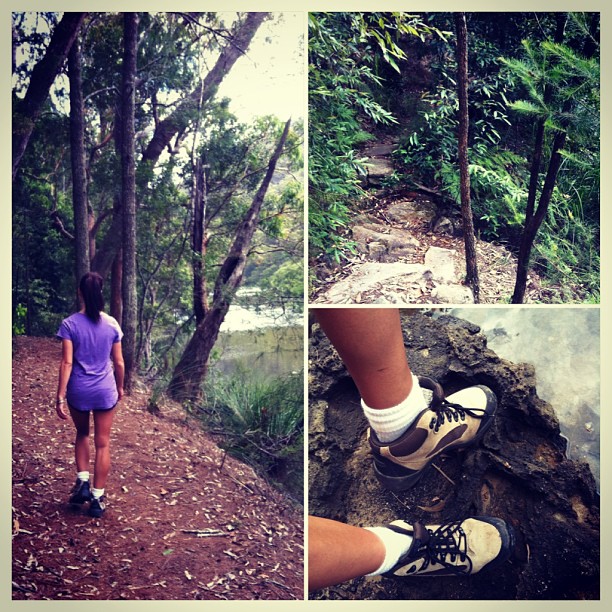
{"x":564,"y":346}
{"x":264,"y":340}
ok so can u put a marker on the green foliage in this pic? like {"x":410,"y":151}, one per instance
{"x":261,"y":421}
{"x":19,"y":320}
{"x":562,"y":89}
{"x":285,"y":286}
{"x":430,"y":151}
{"x":567,"y":252}
{"x":344,"y":49}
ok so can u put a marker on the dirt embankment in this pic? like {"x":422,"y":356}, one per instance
{"x":518,"y":472}
{"x":183,"y":521}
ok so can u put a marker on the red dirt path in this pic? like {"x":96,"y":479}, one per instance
{"x":181,"y":522}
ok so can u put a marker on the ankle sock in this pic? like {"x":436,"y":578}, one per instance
{"x":97,"y":493}
{"x":396,"y":544}
{"x":84,"y":476}
{"x":390,"y":423}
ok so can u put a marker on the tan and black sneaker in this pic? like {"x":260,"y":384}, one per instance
{"x":448,"y":423}
{"x":460,"y":548}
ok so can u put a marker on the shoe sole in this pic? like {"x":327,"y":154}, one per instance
{"x":411,"y":478}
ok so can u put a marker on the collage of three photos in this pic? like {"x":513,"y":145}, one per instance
{"x":306,"y":306}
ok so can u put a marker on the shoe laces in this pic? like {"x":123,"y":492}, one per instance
{"x":445,"y":546}
{"x":449,"y":411}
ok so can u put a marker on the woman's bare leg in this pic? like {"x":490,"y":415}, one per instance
{"x":370,"y":343}
{"x":338,"y":552}
{"x":103,"y":420}
{"x":81,"y":443}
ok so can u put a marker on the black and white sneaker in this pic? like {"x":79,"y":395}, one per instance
{"x":97,"y":506}
{"x":460,"y":548}
{"x":80,"y":493}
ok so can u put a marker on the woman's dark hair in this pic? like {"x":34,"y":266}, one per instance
{"x":91,"y":291}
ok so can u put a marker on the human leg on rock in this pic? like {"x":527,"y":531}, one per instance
{"x":411,"y":422}
{"x":338,"y":552}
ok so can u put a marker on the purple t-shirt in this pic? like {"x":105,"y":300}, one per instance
{"x":92,"y":383}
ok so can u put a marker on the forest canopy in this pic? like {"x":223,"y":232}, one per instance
{"x":190,"y":152}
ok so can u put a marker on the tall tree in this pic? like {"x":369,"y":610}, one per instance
{"x":570,"y":80}
{"x":191,"y":369}
{"x":77,"y":156}
{"x":464,"y":122}
{"x":177,"y":121}
{"x":44,"y":73}
{"x":128,"y":192}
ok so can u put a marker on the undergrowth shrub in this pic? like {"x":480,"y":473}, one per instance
{"x":261,"y":422}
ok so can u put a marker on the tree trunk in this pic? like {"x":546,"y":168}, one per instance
{"x":533,"y":220}
{"x":191,"y":370}
{"x":128,"y":190}
{"x":77,"y":156}
{"x":466,"y":206}
{"x":44,"y":73}
{"x":116,"y":298}
{"x":531,"y":228}
{"x":200,"y":297}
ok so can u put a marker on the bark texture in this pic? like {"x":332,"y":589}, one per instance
{"x":128,"y":189}
{"x":77,"y":157}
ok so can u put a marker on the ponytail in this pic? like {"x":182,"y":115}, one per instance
{"x":91,"y":292}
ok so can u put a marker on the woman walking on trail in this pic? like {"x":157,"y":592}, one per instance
{"x":91,"y":345}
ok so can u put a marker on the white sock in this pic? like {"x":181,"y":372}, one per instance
{"x":390,"y":423}
{"x":396,"y":544}
{"x":97,"y":493}
{"x":83,"y":475}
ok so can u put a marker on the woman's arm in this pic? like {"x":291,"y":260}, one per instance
{"x":64,"y":374}
{"x":117,"y":357}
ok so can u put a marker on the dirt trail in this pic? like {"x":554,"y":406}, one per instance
{"x":182,"y":520}
{"x":409,"y":249}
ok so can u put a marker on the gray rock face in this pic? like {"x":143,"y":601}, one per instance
{"x":452,"y":294}
{"x":519,"y":471}
{"x":378,"y":169}
{"x":441,"y":262}
{"x":411,"y":211}
{"x":383,"y":243}
{"x":387,"y":281}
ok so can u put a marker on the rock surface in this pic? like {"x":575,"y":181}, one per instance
{"x":519,"y":472}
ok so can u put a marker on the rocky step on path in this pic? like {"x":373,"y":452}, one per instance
{"x":395,"y":267}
